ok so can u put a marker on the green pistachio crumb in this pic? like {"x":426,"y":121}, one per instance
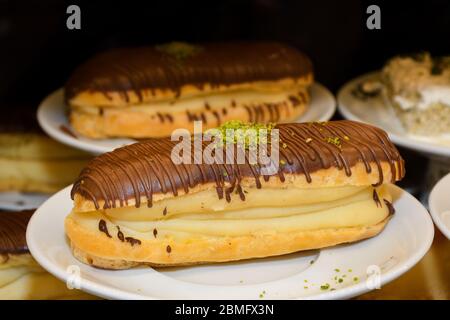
{"x":179,"y":50}
{"x":325,"y":286}
{"x":334,"y":141}
{"x":246,"y":134}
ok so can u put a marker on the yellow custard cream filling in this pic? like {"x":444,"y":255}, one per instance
{"x":278,"y":210}
{"x":207,"y":202}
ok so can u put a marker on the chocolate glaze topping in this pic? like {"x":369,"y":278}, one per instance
{"x":135,"y":69}
{"x":146,"y":168}
{"x":13,"y":226}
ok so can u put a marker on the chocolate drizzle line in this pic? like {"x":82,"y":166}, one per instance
{"x":120,"y":235}
{"x":135,"y":69}
{"x":390,"y":206}
{"x":257,"y":112}
{"x":13,"y":226}
{"x":133,"y":241}
{"x":122,"y":238}
{"x":67,"y":131}
{"x":103,"y":228}
{"x":376,"y":198}
{"x":145,"y":168}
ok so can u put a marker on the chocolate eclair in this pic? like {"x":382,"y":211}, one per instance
{"x":20,"y":275}
{"x":136,"y":205}
{"x":151,"y":91}
{"x":30,"y":161}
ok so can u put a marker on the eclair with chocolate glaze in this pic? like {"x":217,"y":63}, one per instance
{"x":151,"y":91}
{"x":21,"y":277}
{"x":136,"y":206}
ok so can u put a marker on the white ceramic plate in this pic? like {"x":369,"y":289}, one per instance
{"x":375,"y":111}
{"x":52,"y":116}
{"x":439,"y":204}
{"x":400,"y":246}
{"x":18,"y":201}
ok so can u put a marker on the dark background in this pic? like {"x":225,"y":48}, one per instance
{"x":38,"y":52}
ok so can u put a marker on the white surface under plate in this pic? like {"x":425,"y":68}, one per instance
{"x":377,"y":112}
{"x":439,"y":204}
{"x":405,"y":240}
{"x":53,"y":115}
{"x":18,"y":201}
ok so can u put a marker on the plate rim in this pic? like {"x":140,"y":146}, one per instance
{"x":110,"y":292}
{"x":445,"y":180}
{"x":62,"y":138}
{"x":404,"y":141}
{"x":95,"y":149}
